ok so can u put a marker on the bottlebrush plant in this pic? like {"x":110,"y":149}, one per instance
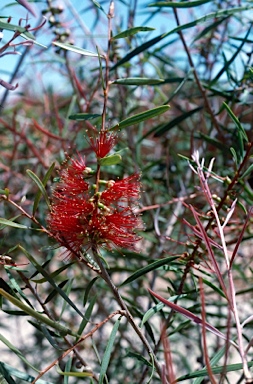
{"x":83,"y":216}
{"x":125,"y":257}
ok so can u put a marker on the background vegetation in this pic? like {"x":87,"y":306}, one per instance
{"x":61,"y":321}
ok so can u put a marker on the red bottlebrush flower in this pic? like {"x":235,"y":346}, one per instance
{"x":125,"y":189}
{"x":80,"y":218}
{"x":120,"y":226}
{"x":72,"y":178}
{"x":103,"y":143}
{"x":67,"y":217}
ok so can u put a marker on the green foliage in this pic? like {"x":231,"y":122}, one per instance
{"x":164,"y":90}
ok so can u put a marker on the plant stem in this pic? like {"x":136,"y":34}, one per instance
{"x":123,"y":306}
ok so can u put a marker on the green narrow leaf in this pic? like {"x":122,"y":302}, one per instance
{"x":141,"y":117}
{"x":67,"y":291}
{"x":132,"y":31}
{"x":2,"y":379}
{"x":210,"y":140}
{"x":44,"y":182}
{"x":54,"y":324}
{"x":22,"y":375}
{"x":182,"y":4}
{"x":138,"y":81}
{"x":40,"y":185}
{"x":5,"y":377}
{"x":110,"y":160}
{"x":53,"y":293}
{"x":74,"y":374}
{"x":176,"y":121}
{"x":14,"y":28}
{"x":107,"y":354}
{"x":247,"y":172}
{"x":53,"y":274}
{"x":50,"y":280}
{"x":157,"y":308}
{"x":206,"y":30}
{"x":229,"y":62}
{"x":87,"y":315}
{"x":16,"y":288}
{"x":139,"y":357}
{"x":215,"y":370}
{"x":101,"y":70}
{"x":99,"y":6}
{"x":214,"y":287}
{"x":10,"y":223}
{"x":67,"y":369}
{"x":236,"y":121}
{"x":17,"y":352}
{"x":87,"y":290}
{"x":50,"y":338}
{"x":150,"y":267}
{"x":234,"y":155}
{"x":75,"y":49}
{"x":83,"y":116}
{"x":217,"y":357}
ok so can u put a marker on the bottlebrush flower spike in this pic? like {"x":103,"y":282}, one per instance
{"x":82,"y":216}
{"x":102,"y":144}
{"x":128,"y":188}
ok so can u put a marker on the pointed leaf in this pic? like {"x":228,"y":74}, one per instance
{"x":213,"y":362}
{"x":9,"y":223}
{"x":44,"y":182}
{"x":75,"y":49}
{"x":176,"y":121}
{"x":247,"y":172}
{"x":99,"y":6}
{"x":87,"y":315}
{"x":110,"y":160}
{"x":150,"y":267}
{"x":53,"y":274}
{"x":182,"y":4}
{"x":83,"y":116}
{"x":141,"y":117}
{"x":230,"y":61}
{"x":14,"y":28}
{"x":16,"y":288}
{"x":211,"y":140}
{"x":22,"y":375}
{"x":36,"y":315}
{"x":17,"y":352}
{"x":215,"y":371}
{"x":4,"y":374}
{"x":53,"y":293}
{"x":88,"y":288}
{"x":139,"y":357}
{"x":50,"y":338}
{"x":138,"y":81}
{"x":40,"y":185}
{"x":157,"y":308}
{"x":50,"y":280}
{"x":74,"y":374}
{"x":132,"y":31}
{"x":236,"y":121}
{"x":108,"y":351}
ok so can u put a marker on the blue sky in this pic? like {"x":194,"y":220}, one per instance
{"x":162,"y":22}
{"x":87,"y":18}
{"x":83,"y":36}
